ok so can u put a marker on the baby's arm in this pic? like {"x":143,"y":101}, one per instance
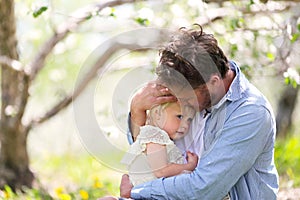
{"x":158,"y":161}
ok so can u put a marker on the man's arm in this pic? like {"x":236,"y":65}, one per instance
{"x":239,"y":144}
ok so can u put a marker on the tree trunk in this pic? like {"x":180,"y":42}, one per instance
{"x":14,"y":161}
{"x":285,"y":108}
{"x":14,"y":167}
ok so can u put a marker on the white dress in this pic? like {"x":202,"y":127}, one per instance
{"x":138,"y":168}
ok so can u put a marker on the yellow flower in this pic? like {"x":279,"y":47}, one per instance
{"x":64,"y":197}
{"x":97,"y":183}
{"x":6,"y":195}
{"x":84,"y":194}
{"x":59,"y":190}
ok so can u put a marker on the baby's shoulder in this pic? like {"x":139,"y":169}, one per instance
{"x":153,"y":134}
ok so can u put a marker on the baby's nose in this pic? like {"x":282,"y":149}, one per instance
{"x":184,"y":125}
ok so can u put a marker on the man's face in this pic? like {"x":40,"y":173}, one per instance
{"x":199,"y":98}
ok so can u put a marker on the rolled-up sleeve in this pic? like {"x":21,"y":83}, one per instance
{"x":129,"y":134}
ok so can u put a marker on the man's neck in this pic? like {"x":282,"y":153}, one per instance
{"x":230,"y":75}
{"x":222,"y":88}
{"x":226,"y":82}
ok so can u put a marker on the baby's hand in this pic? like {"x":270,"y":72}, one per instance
{"x":192,"y":160}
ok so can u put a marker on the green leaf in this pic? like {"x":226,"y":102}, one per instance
{"x":39,"y":11}
{"x":89,"y":17}
{"x":247,"y":70}
{"x":234,"y":24}
{"x":298,"y":27}
{"x":142,"y":21}
{"x":294,"y":84}
{"x":241,"y":22}
{"x":295,"y":37}
{"x":233,"y":50}
{"x":287,"y":80}
{"x":290,"y":81}
{"x":9,"y":191}
{"x":112,"y":13}
{"x":270,"y":56}
{"x":291,"y":77}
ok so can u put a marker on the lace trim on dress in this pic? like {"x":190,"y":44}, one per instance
{"x":153,"y":134}
{"x":147,"y":134}
{"x":156,"y":135}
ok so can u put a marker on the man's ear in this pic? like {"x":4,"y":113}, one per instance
{"x":215,"y":80}
{"x":214,"y":83}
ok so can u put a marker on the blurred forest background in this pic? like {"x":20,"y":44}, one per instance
{"x":54,"y":53}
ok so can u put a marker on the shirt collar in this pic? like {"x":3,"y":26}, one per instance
{"x":239,"y":84}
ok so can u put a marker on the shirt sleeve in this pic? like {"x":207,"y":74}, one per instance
{"x":233,"y":153}
{"x":129,"y":134}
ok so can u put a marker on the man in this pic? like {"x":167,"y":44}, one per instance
{"x":239,"y":133}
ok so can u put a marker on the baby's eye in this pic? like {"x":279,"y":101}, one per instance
{"x":190,"y":119}
{"x":179,"y":117}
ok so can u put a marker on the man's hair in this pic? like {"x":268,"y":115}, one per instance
{"x":191,"y":56}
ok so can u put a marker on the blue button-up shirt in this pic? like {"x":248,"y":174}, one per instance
{"x":238,"y":153}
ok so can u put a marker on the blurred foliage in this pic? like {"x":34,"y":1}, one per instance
{"x":95,"y":190}
{"x":287,"y":159}
{"x":292,"y":77}
{"x":248,"y":32}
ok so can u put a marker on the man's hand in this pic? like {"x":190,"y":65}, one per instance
{"x":152,"y":94}
{"x":125,"y":187}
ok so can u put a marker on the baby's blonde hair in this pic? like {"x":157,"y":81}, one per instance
{"x":159,"y":108}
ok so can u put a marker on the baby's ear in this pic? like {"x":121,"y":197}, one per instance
{"x":158,"y":117}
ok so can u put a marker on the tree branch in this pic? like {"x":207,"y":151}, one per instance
{"x":13,"y":64}
{"x":263,"y":1}
{"x":62,"y":31}
{"x":87,"y":78}
{"x":113,"y":47}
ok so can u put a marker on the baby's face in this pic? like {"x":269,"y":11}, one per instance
{"x":187,"y":117}
{"x":177,"y":120}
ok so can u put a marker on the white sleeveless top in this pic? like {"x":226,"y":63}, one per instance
{"x":138,"y":168}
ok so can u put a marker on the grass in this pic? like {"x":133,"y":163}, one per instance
{"x":287,"y":159}
{"x":68,"y":177}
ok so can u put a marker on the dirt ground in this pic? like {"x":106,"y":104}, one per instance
{"x":289,"y":194}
